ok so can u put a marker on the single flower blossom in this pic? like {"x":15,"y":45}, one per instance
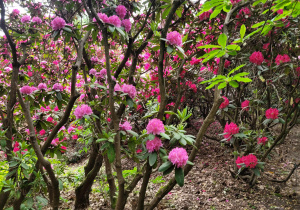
{"x":153,"y":145}
{"x":272,"y":113}
{"x":26,"y":90}
{"x":225,"y":103}
{"x":174,"y":38}
{"x":58,"y":23}
{"x":155,"y":127}
{"x":125,"y":126}
{"x":230,"y":130}
{"x":256,"y":58}
{"x":82,"y":110}
{"x":179,"y":157}
{"x":121,"y":11}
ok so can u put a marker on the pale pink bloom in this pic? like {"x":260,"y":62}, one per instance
{"x":42,"y":86}
{"x":15,"y":12}
{"x":93,"y":72}
{"x":36,"y":20}
{"x":153,"y":145}
{"x":82,"y":110}
{"x":57,"y":87}
{"x":179,"y":157}
{"x":58,"y":23}
{"x":125,"y":126}
{"x":155,"y":127}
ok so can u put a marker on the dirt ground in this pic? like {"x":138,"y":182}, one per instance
{"x":210,"y":185}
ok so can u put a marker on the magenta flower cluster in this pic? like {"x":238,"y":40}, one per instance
{"x":262,"y":140}
{"x":126,"y":24}
{"x":58,"y":23}
{"x":174,"y":38}
{"x":25,"y":19}
{"x":114,"y":20}
{"x":179,"y":157}
{"x":249,"y":160}
{"x":225,"y":103}
{"x":272,"y":113}
{"x":82,"y":110}
{"x":57,"y":87}
{"x":245,"y":105}
{"x":282,"y":59}
{"x":153,"y":145}
{"x":256,"y":58}
{"x":155,"y":127}
{"x":230,"y":129}
{"x":26,"y":90}
{"x":125,"y":126}
{"x":121,"y":11}
{"x":130,"y":90}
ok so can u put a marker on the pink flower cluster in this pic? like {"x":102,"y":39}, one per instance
{"x":272,"y":113}
{"x":256,"y":58}
{"x":26,"y":90}
{"x":114,"y":20}
{"x":179,"y":157}
{"x":102,"y":17}
{"x":130,"y":90}
{"x":225,"y":103}
{"x":282,"y":59}
{"x":58,"y":23}
{"x":155,"y":127}
{"x":234,"y":1}
{"x":121,"y":11}
{"x":125,"y":126}
{"x":262,"y":140}
{"x":126,"y":24}
{"x":36,"y":20}
{"x":57,"y":87}
{"x":153,"y":145}
{"x":42,"y":86}
{"x":82,"y":110}
{"x":205,"y":15}
{"x":230,"y":129}
{"x":174,"y":38}
{"x":245,"y":105}
{"x":15,"y":12}
{"x":249,"y":160}
{"x":25,"y":19}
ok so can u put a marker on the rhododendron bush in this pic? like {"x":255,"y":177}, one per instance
{"x":125,"y":79}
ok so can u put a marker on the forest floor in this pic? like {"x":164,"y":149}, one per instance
{"x":210,"y":185}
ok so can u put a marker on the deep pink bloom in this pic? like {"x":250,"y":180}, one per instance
{"x":138,"y":151}
{"x":272,"y":113}
{"x":126,"y":24}
{"x":179,"y":157}
{"x":42,"y":86}
{"x":114,"y":20}
{"x":25,"y":19}
{"x":230,"y":129}
{"x":121,"y":11}
{"x":153,"y":145}
{"x":57,"y":87}
{"x":238,"y":161}
{"x":49,"y":119}
{"x":42,"y":132}
{"x":125,"y":126}
{"x":262,"y":140}
{"x":75,"y":137}
{"x":63,"y":149}
{"x":155,"y":127}
{"x":82,"y":110}
{"x":280,"y":11}
{"x":225,"y":103}
{"x":205,"y":15}
{"x":256,"y":58}
{"x":130,"y":90}
{"x":174,"y":38}
{"x":15,"y":12}
{"x":250,"y":161}
{"x":245,"y":105}
{"x":58,"y":23}
{"x":282,"y":59}
{"x":36,"y":20}
{"x":26,"y":90}
{"x":102,"y":17}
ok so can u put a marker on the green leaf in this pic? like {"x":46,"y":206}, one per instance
{"x":111,"y":28}
{"x":256,"y":172}
{"x":132,"y":133}
{"x":169,"y":170}
{"x":25,"y":166}
{"x":67,"y":29}
{"x":42,"y":200}
{"x":165,"y":166}
{"x":233,"y":84}
{"x":165,"y":136}
{"x":235,"y":69}
{"x":222,"y":85}
{"x":152,"y":158}
{"x":209,"y":46}
{"x":258,"y":24}
{"x":151,"y":136}
{"x":166,"y":12}
{"x":181,"y":50}
{"x":129,"y":102}
{"x":190,"y":163}
{"x":58,"y":96}
{"x":233,"y":47}
{"x":169,"y":49}
{"x":222,"y":40}
{"x":121,"y":32}
{"x":179,"y":176}
{"x":216,"y":12}
{"x":111,"y":153}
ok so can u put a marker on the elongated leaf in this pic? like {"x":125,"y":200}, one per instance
{"x":222,"y":40}
{"x":179,"y":176}
{"x":152,"y":158}
{"x":165,"y":166}
{"x":111,"y":153}
{"x":243,"y":31}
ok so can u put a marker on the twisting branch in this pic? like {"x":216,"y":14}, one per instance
{"x":288,"y":177}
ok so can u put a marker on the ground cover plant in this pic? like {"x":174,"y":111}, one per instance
{"x":143,"y":82}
